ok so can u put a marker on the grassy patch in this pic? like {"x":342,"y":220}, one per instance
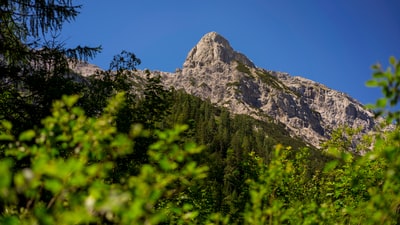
{"x":270,"y":80}
{"x":243,"y":68}
{"x":273,"y":81}
{"x":235,"y":84}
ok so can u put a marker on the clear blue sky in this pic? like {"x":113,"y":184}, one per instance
{"x":333,"y":42}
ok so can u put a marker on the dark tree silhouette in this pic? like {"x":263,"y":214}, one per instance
{"x":33,"y":62}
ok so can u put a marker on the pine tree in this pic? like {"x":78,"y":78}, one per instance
{"x":33,"y":68}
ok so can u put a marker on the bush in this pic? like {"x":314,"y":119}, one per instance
{"x":61,"y":174}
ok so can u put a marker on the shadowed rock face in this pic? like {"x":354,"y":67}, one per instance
{"x":214,"y":70}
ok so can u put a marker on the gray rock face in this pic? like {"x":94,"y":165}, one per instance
{"x":213,"y":49}
{"x":213,"y":70}
{"x":83,"y":68}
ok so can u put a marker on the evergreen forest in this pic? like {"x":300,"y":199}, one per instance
{"x":119,"y":148}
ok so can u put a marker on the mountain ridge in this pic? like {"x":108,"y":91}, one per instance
{"x":213,"y":70}
{"x":310,"y":110}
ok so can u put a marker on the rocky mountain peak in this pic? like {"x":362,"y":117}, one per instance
{"x":214,"y":49}
{"x":214,"y":71}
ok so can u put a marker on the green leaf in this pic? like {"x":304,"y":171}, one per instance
{"x":6,"y":137}
{"x":7,"y":125}
{"x":19,"y":181}
{"x":9,"y":220}
{"x":376,"y":66}
{"x":70,"y":100}
{"x":5,"y":175}
{"x":397,"y":69}
{"x":378,"y":75}
{"x":27,"y":135}
{"x":53,"y":185}
{"x":381,"y":103}
{"x":372,"y":83}
{"x":392,"y":60}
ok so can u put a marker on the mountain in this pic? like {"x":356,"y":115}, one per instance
{"x":214,"y":70}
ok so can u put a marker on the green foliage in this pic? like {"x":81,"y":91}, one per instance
{"x":234,"y":84}
{"x":243,"y":68}
{"x":342,"y":139}
{"x":124,"y":61}
{"x":68,"y":165}
{"x":273,"y":81}
{"x":349,"y":189}
{"x":25,"y":23}
{"x":269,"y":79}
{"x":228,"y":140}
{"x":33,"y":70}
{"x":389,"y":81}
{"x":217,"y":128}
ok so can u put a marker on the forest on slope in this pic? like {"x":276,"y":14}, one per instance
{"x":110,"y":150}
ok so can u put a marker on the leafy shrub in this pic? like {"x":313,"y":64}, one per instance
{"x":61,"y":174}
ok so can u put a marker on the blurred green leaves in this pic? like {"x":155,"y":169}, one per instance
{"x":61,"y":173}
{"x":389,"y":82}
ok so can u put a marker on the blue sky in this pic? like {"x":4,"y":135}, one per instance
{"x":333,"y":42}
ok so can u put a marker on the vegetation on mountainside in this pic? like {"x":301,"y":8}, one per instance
{"x":265,"y":76}
{"x":388,"y":80}
{"x":243,"y":68}
{"x":112,"y":152}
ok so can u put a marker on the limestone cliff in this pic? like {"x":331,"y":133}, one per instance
{"x":213,"y":70}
